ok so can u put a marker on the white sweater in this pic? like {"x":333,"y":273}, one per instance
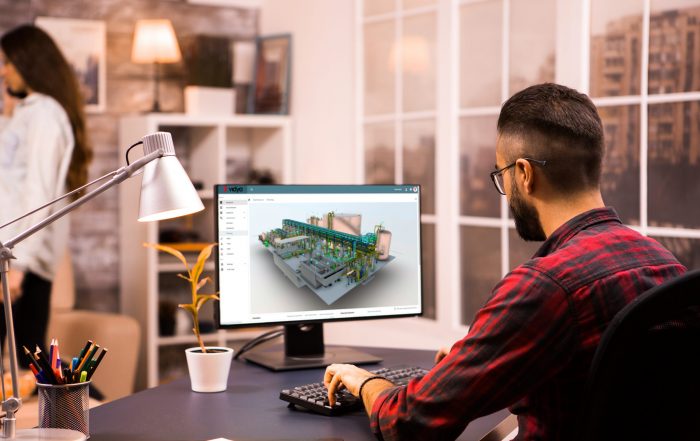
{"x":36,"y":145}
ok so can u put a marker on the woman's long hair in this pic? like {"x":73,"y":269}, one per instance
{"x":45,"y":70}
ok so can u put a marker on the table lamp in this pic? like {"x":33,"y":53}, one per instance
{"x":155,"y":42}
{"x":166,"y":192}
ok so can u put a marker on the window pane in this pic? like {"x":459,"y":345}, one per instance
{"x":409,"y":4}
{"x":480,"y":267}
{"x":375,"y":7}
{"x":379,"y":71}
{"x":379,"y":153}
{"x":520,"y":250}
{"x":616,"y":47}
{"x":620,"y":177}
{"x":428,"y":262}
{"x":480,"y":54}
{"x":418,"y":61}
{"x":686,"y":250}
{"x":674,"y":46}
{"x":478,"y":196}
{"x":674,"y":163}
{"x":419,"y":160}
{"x":532,"y":44}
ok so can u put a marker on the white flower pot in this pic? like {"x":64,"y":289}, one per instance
{"x":209,"y":371}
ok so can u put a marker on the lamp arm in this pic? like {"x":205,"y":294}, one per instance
{"x":119,"y":176}
{"x":12,"y":404}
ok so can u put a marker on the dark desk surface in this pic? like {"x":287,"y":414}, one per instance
{"x":249,"y":409}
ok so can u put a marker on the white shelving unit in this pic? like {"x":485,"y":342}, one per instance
{"x":213,"y":150}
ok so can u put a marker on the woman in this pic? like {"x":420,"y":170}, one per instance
{"x":43,"y":154}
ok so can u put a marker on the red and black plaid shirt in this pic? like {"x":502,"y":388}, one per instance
{"x":531,"y":345}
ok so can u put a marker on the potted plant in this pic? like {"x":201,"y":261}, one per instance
{"x":208,"y":366}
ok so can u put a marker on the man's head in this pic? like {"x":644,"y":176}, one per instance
{"x":553,"y":136}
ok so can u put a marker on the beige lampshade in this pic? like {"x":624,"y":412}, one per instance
{"x":155,"y":42}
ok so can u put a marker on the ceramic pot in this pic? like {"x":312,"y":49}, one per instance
{"x":209,"y":371}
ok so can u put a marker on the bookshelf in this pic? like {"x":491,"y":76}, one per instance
{"x":213,"y":150}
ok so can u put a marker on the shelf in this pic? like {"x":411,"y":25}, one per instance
{"x":177,"y":267}
{"x":209,"y":337}
{"x":243,"y":121}
{"x":261,"y":142}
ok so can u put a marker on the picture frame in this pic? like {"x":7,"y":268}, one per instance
{"x":271,"y":75}
{"x":83,"y":43}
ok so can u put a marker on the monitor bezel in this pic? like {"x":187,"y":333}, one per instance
{"x":217,"y":314}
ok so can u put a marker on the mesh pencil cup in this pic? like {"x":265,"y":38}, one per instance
{"x":65,"y":406}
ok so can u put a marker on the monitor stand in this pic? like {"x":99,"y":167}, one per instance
{"x":304,"y":348}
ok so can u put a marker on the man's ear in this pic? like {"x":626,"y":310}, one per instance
{"x":524,"y":173}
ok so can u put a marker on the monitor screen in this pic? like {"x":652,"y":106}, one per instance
{"x":292,"y":254}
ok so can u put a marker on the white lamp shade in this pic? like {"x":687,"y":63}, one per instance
{"x":155,"y":42}
{"x":166,"y":190}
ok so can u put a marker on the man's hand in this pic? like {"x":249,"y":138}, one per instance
{"x":14,"y":282}
{"x":344,"y":375}
{"x":441,"y":353}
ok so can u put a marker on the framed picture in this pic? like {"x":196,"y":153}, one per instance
{"x":83,"y":43}
{"x":271,"y":75}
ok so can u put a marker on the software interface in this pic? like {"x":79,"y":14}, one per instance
{"x":304,"y":253}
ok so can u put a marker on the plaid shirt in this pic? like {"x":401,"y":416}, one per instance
{"x":530,"y":347}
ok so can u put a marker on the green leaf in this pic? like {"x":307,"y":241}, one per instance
{"x":168,"y":250}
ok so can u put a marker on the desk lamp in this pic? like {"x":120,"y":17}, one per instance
{"x":155,"y":42}
{"x":166,"y":192}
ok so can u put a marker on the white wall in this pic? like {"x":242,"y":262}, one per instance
{"x":322,"y":96}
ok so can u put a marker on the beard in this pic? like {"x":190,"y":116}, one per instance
{"x":526,"y":217}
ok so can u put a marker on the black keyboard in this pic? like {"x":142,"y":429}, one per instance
{"x":314,"y":396}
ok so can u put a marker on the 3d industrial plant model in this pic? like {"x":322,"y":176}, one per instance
{"x":328,"y":254}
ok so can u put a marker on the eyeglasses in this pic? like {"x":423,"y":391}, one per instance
{"x":497,"y":176}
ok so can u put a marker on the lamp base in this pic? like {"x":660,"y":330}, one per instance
{"x":49,"y":435}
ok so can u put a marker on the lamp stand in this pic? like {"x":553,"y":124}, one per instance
{"x":12,"y":404}
{"x":156,"y":88}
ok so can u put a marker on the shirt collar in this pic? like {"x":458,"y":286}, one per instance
{"x":569,"y":229}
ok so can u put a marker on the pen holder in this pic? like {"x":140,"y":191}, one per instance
{"x":65,"y":406}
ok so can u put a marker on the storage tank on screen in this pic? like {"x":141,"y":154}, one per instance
{"x":383,"y":244}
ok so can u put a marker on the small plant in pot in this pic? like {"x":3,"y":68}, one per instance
{"x":208,"y":366}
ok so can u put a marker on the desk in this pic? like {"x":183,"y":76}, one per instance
{"x":249,"y":409}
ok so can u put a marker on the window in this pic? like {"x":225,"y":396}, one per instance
{"x":637,"y":59}
{"x":399,"y":118}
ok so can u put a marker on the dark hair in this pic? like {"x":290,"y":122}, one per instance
{"x":561,"y":126}
{"x":45,"y":70}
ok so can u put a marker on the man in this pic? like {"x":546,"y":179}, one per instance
{"x":531,"y":345}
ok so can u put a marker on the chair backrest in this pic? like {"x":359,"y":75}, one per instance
{"x":644,"y":382}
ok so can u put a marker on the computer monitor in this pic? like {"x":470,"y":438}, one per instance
{"x":303,"y":255}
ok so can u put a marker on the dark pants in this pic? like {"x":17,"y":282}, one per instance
{"x":30,"y":315}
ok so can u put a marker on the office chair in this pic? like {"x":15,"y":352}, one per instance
{"x":644,"y":382}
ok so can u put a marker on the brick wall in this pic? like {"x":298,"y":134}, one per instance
{"x":129,"y":89}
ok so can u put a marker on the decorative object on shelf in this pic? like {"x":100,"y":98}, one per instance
{"x":166,"y":192}
{"x":243,"y":61}
{"x":272,"y":75}
{"x":83,"y":43}
{"x":155,"y":42}
{"x":208,"y":367}
{"x":209,"y":88}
